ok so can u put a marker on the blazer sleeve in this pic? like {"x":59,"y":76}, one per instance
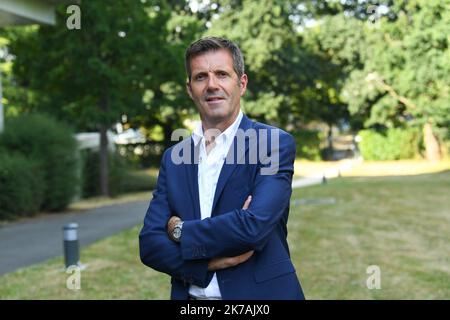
{"x":157,"y":251}
{"x":241,"y":230}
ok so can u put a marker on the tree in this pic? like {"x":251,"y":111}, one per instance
{"x":408,"y":70}
{"x":168,"y":100}
{"x":15,"y":98}
{"x":94,"y":75}
{"x":289,"y":81}
{"x":396,"y":66}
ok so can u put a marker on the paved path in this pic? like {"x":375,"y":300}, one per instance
{"x":38,"y":239}
{"x":329,"y":173}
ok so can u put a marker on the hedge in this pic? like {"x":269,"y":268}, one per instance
{"x":91,"y":173}
{"x":45,"y":140}
{"x":391,"y":144}
{"x":21,"y":182}
{"x":308,"y":144}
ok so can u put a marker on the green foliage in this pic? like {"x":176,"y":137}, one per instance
{"x":21,"y":185}
{"x":308,"y":144}
{"x":166,"y":102}
{"x":393,"y":61}
{"x":123,"y":177}
{"x":127,"y":58}
{"x":15,"y":98}
{"x":291,"y":81}
{"x":392,"y":144}
{"x":41,"y":138}
{"x":94,"y":75}
{"x":97,"y":73}
{"x":136,"y":181}
{"x":142,"y":155}
{"x":401,"y":74}
{"x":389,"y":70}
{"x":91,"y":174}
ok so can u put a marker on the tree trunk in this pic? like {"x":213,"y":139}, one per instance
{"x":104,"y":168}
{"x":330,"y":137}
{"x":432,"y":147}
{"x":328,"y":151}
{"x":103,"y":154}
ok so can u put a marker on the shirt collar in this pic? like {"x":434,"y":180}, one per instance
{"x":197,"y":134}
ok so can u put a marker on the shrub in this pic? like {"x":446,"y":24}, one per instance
{"x":138,"y":181}
{"x":122,"y":175}
{"x":41,"y":138}
{"x":91,"y":173}
{"x":308,"y":144}
{"x":149,"y":154}
{"x":21,"y":181}
{"x":391,"y":144}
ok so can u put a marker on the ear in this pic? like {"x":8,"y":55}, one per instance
{"x":243,"y":83}
{"x":189,"y":89}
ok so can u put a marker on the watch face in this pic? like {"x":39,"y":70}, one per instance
{"x":177,"y":232}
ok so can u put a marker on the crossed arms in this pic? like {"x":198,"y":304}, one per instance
{"x":222,"y":241}
{"x":219,"y":262}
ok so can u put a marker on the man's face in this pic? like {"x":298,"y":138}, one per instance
{"x":214,"y":86}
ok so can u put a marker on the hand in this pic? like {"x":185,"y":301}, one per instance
{"x":227,"y":262}
{"x":171,"y":225}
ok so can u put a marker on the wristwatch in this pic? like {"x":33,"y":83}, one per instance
{"x":176,"y":232}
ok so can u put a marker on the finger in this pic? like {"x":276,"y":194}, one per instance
{"x":247,"y":202}
{"x":244,"y":257}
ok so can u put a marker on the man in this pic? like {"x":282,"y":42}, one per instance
{"x":217,"y":222}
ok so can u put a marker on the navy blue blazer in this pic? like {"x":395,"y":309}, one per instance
{"x":231,"y":231}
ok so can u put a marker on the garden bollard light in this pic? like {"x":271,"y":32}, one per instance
{"x":71,"y":248}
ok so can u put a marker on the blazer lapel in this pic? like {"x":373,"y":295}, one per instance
{"x":192,"y":175}
{"x":228,"y":169}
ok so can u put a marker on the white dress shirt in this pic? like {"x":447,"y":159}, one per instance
{"x":209,"y":167}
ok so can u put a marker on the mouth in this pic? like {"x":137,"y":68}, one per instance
{"x":214,"y":100}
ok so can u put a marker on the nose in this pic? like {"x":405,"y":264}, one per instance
{"x":212,"y":83}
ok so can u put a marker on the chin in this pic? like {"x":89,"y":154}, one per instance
{"x":218,"y":113}
{"x":216,"y":117}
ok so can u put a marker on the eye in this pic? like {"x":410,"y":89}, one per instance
{"x":199,"y":77}
{"x":222,"y":74}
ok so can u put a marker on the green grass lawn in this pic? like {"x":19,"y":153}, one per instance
{"x":401,"y":224}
